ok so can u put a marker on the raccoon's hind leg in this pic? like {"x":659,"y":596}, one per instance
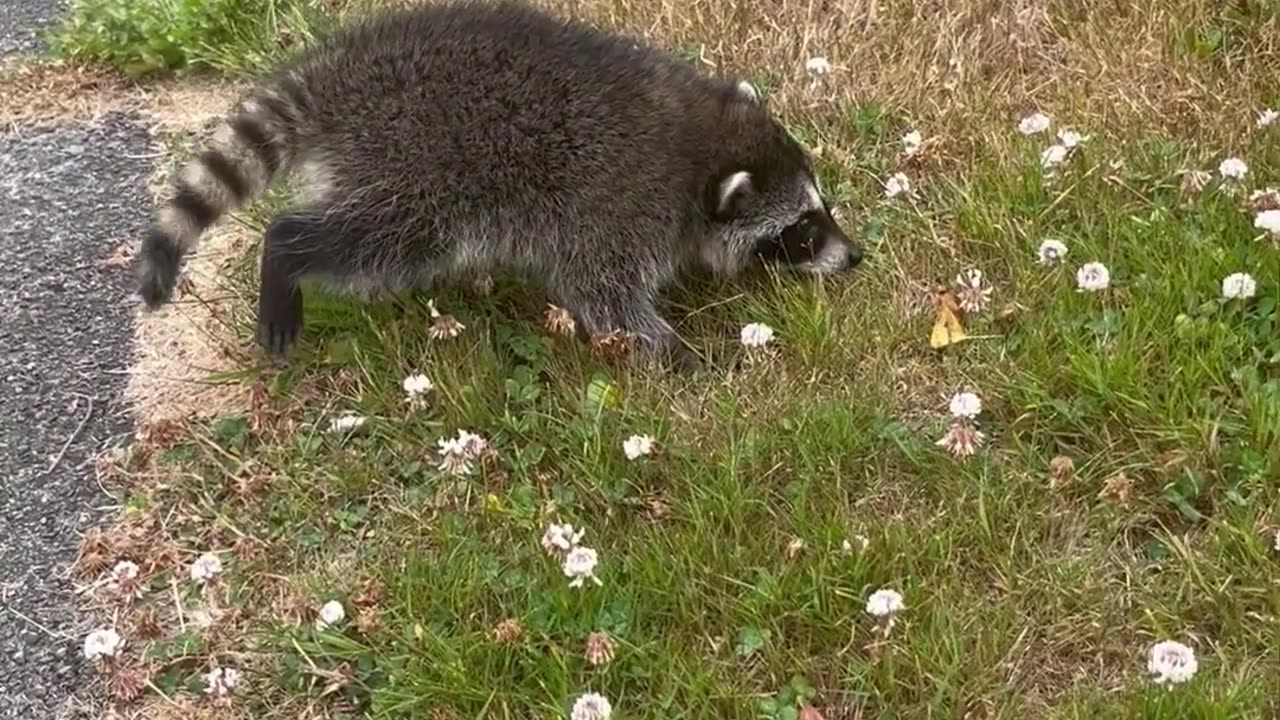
{"x":287,"y":255}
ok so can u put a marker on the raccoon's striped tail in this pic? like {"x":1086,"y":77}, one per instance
{"x":257,"y":142}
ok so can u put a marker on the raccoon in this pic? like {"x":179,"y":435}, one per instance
{"x":462,"y":137}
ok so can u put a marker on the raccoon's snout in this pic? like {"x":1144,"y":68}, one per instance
{"x":815,"y":244}
{"x":838,"y":254}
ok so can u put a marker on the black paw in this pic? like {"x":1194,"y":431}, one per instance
{"x":683,"y":359}
{"x":279,"y":320}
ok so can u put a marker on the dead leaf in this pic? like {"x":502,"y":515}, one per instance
{"x":809,"y":712}
{"x":947,"y":325}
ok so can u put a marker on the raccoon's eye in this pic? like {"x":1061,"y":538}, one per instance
{"x":798,"y":243}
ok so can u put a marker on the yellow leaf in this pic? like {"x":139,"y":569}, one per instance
{"x":947,"y":328}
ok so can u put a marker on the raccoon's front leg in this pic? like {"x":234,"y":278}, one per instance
{"x":652,"y":338}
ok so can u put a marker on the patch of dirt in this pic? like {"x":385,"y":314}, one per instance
{"x":179,"y":346}
{"x":39,"y":92}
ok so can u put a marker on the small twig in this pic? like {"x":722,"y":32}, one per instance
{"x":79,"y":428}
{"x":38,"y":626}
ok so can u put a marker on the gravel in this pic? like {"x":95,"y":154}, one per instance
{"x":23,"y":21}
{"x":69,"y":195}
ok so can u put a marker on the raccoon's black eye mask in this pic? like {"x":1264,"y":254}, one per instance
{"x":801,"y":242}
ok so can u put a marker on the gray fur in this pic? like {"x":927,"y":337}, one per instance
{"x":453,"y":139}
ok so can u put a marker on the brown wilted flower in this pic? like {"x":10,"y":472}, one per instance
{"x":559,"y":321}
{"x":599,"y":648}
{"x":145,"y":624}
{"x":337,"y":679}
{"x":1193,"y":181}
{"x":1061,"y":469}
{"x":613,"y":345}
{"x":794,"y":546}
{"x":962,"y":439}
{"x":445,"y":327}
{"x":127,"y":683}
{"x":1118,"y":488}
{"x":507,"y":631}
{"x":371,"y":592}
{"x":482,"y":285}
{"x":368,"y":619}
{"x":656,"y":507}
{"x":159,"y":434}
{"x":91,"y":563}
{"x":1263,"y":200}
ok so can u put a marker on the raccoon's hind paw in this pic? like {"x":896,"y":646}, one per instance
{"x":279,"y":320}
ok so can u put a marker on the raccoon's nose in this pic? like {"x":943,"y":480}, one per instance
{"x":853,"y":255}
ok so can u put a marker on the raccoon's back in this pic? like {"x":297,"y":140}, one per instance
{"x":496,"y":109}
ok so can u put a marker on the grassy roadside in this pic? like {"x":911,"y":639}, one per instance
{"x":735,"y":560}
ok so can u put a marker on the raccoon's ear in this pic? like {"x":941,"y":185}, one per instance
{"x":730,"y":194}
{"x":747,"y":91}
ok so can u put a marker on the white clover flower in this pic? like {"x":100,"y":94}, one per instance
{"x":561,"y":538}
{"x":1093,"y":276}
{"x":859,"y":541}
{"x":454,"y":459}
{"x":884,"y":603}
{"x":1069,"y":139}
{"x":219,"y":682}
{"x":1267,"y":116}
{"x":1050,"y":252}
{"x":458,"y":453}
{"x":124,"y":570}
{"x":580,"y":565}
{"x":756,"y":335}
{"x":1233,"y":168}
{"x":973,"y":296}
{"x":206,"y":567}
{"x":817,"y":65}
{"x":1171,"y":662}
{"x":330,"y":613}
{"x":592,"y":706}
{"x":346,"y":423}
{"x":898,"y":184}
{"x":1034,"y":123}
{"x":1053,"y":156}
{"x":911,"y":143}
{"x":1239,"y":286}
{"x":102,"y":643}
{"x":1268,"y":220}
{"x":472,"y":444}
{"x":417,"y":385}
{"x":966,"y":405}
{"x":637,"y":445}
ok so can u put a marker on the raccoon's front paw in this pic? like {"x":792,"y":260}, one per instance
{"x":683,"y":359}
{"x":279,"y":321}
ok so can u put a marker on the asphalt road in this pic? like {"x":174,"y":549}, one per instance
{"x":69,"y":194}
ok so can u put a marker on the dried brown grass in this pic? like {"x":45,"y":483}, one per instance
{"x":968,"y":68}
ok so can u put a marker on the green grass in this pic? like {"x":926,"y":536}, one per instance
{"x":1021,"y":600}
{"x":726,"y":584}
{"x":154,"y":37}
